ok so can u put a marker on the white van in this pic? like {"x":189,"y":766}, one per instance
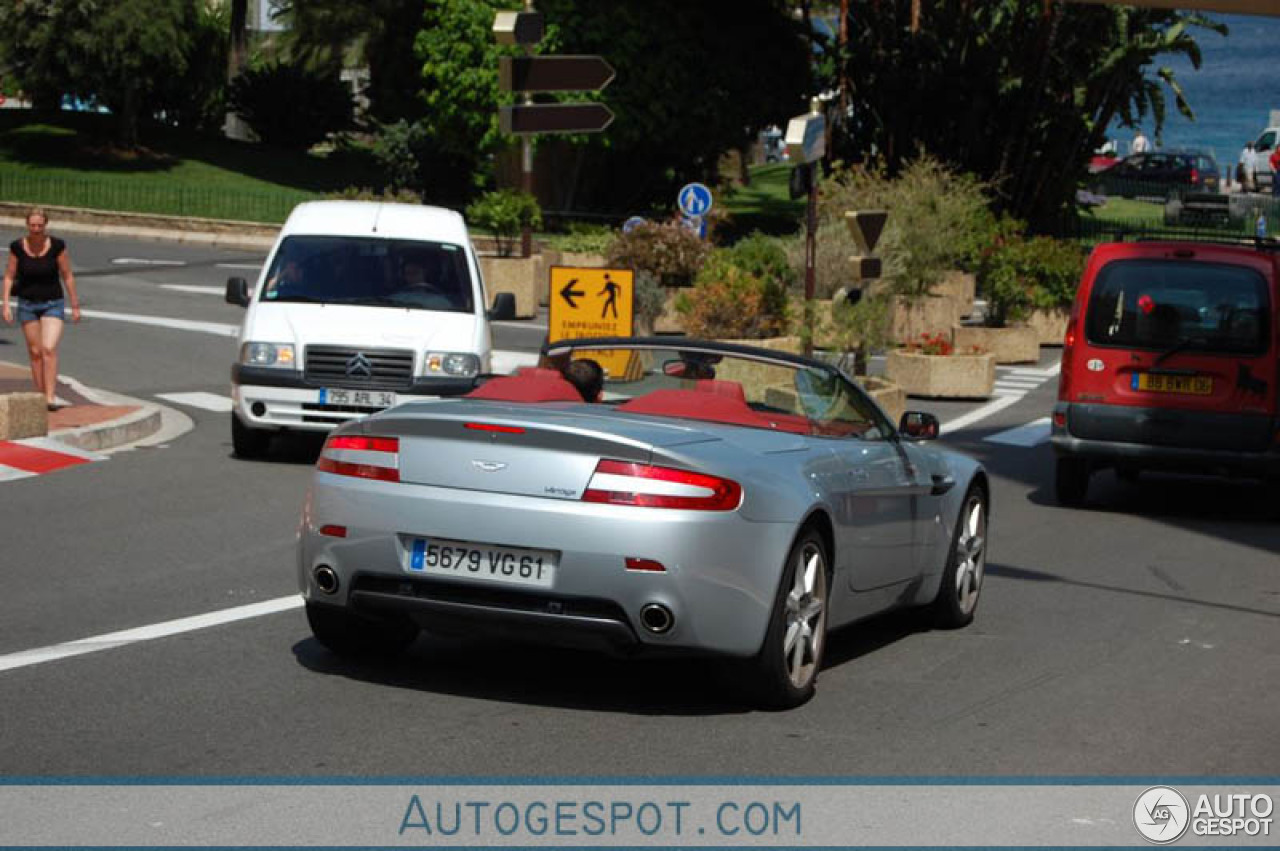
{"x":360,"y":305}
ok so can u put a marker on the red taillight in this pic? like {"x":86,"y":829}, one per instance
{"x":1195,"y":176}
{"x":333,"y":531}
{"x":626,"y":483}
{"x":645,"y":564}
{"x":361,"y":456}
{"x":1065,"y":370}
{"x":495,"y":427}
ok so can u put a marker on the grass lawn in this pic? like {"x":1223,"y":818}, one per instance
{"x":765,"y":204}
{"x":67,"y":160}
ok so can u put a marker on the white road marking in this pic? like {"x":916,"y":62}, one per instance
{"x":111,"y":640}
{"x":238,"y":265}
{"x":999,"y":403}
{"x":9,"y":474}
{"x":197,"y":399}
{"x":1024,"y":383}
{"x":217,"y":328}
{"x":193,"y":288}
{"x":55,"y":445}
{"x":142,"y":261}
{"x":1032,"y":434}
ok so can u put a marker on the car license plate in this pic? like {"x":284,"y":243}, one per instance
{"x":357,"y":398}
{"x":482,"y":562}
{"x":1196,"y":385}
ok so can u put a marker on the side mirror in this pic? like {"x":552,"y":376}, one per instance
{"x":238,"y":291}
{"x":917,"y":425}
{"x":504,"y":307}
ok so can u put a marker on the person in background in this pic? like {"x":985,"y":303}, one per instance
{"x":39,"y":270}
{"x":1275,"y":172}
{"x":1140,"y":145}
{"x":587,"y":376}
{"x":1248,"y":166}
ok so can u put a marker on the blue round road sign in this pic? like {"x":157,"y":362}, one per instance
{"x":632,"y":223}
{"x":694,"y":199}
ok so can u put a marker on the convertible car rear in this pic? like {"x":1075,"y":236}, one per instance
{"x":717,"y":500}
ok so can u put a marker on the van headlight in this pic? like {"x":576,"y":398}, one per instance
{"x":455,"y":364}
{"x":267,"y":354}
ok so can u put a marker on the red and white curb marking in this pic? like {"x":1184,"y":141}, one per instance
{"x":35,"y":456}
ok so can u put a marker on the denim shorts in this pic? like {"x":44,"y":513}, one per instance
{"x":30,"y":311}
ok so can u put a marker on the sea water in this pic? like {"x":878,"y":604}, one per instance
{"x":1232,"y":94}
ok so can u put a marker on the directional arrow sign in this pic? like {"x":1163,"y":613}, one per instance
{"x":528,"y":118}
{"x":569,"y":293}
{"x":865,"y":226}
{"x":553,"y":73}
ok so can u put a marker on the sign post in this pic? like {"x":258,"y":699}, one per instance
{"x":528,"y":74}
{"x":806,"y":141}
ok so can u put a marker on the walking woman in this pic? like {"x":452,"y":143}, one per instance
{"x":36,"y":263}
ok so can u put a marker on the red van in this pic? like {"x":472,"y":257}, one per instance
{"x":1170,"y":363}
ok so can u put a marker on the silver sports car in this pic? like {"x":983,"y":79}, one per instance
{"x":704,"y":498}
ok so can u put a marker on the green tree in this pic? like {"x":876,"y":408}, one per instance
{"x":112,"y":53}
{"x":1019,"y":92}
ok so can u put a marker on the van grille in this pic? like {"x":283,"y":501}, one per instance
{"x":340,"y":366}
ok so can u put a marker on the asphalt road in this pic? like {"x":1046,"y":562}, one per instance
{"x":1139,"y":636}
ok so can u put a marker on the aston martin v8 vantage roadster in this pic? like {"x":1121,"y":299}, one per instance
{"x":703,"y":498}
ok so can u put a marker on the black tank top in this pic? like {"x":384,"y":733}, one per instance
{"x":37,"y":278}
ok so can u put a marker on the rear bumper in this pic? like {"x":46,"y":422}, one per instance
{"x":1164,"y":439}
{"x":721,"y":577}
{"x":284,"y":399}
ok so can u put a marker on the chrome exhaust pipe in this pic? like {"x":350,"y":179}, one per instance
{"x":657,"y":618}
{"x":326,"y":579}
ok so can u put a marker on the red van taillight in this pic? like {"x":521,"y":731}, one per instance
{"x":361,"y":456}
{"x":1068,"y":354}
{"x":625,"y":483}
{"x":1195,"y":176}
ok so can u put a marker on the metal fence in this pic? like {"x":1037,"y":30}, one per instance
{"x":133,"y":196}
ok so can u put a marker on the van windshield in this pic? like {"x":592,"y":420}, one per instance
{"x":1160,"y":304}
{"x":370,"y":271}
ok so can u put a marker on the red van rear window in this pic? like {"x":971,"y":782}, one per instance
{"x":1158,"y":304}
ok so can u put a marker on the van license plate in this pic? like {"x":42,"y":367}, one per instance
{"x":1195,"y":385}
{"x":357,"y":398}
{"x":481,"y":562}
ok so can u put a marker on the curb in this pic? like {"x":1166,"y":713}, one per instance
{"x":109,"y":434}
{"x":218,"y":233}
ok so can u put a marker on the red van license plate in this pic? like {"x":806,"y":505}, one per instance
{"x":1195,"y":385}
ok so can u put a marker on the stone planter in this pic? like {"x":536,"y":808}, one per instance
{"x":1011,"y":344}
{"x":755,"y":377}
{"x":942,"y":376}
{"x":1050,"y":325}
{"x":912,"y":317}
{"x":23,"y":415}
{"x":961,"y":286}
{"x":888,"y":395}
{"x":525,"y":277}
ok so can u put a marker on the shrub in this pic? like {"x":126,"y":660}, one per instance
{"x":670,"y":253}
{"x":650,"y":299}
{"x":290,"y":105}
{"x":740,"y":292}
{"x":937,"y":220}
{"x":396,"y":149}
{"x":583,"y":238}
{"x":1017,"y":274}
{"x":932,"y":344}
{"x":860,"y":327}
{"x":505,"y":213}
{"x":364,"y":193}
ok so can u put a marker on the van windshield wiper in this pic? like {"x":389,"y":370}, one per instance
{"x":1181,"y":345}
{"x":300,"y":299}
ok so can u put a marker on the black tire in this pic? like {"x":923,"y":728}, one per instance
{"x":782,"y":678}
{"x":966,"y":564}
{"x":1071,"y":481}
{"x":348,"y":634}
{"x":248,"y":442}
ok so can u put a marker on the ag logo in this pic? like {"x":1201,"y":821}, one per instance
{"x":1161,"y":814}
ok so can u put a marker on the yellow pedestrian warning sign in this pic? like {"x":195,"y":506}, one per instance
{"x":586,"y":302}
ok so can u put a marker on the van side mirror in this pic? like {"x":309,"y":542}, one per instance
{"x":917,"y":425}
{"x":238,"y":291}
{"x":504,"y":307}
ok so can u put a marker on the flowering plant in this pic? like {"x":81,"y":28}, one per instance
{"x":933,"y":344}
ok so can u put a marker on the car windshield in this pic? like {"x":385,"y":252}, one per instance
{"x":709,"y":384}
{"x":1162,"y":304}
{"x":370,"y":271}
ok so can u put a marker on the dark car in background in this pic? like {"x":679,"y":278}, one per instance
{"x":1158,"y":174}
